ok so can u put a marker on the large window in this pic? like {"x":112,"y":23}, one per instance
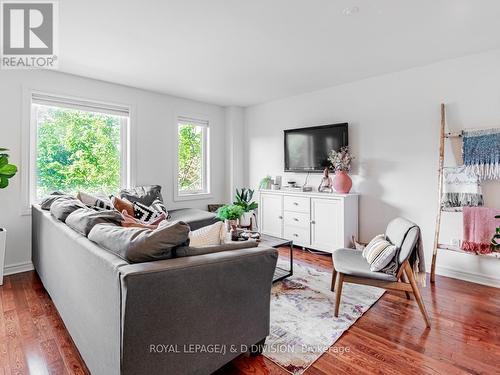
{"x":77,"y":145}
{"x":192,"y":157}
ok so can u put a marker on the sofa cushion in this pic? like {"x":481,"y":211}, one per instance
{"x":91,"y":200}
{"x":146,"y":194}
{"x":84,"y":219}
{"x":137,"y":245}
{"x":46,"y":202}
{"x":62,"y":207}
{"x":149,"y":214}
{"x":187,"y":251}
{"x":194,"y":217}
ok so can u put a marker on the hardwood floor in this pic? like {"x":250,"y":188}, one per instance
{"x":390,"y":338}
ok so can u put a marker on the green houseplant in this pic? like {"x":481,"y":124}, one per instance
{"x":230,"y":213}
{"x":7,"y":171}
{"x":244,"y":200}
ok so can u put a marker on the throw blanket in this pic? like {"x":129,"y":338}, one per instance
{"x":417,"y":261}
{"x":461,"y":188}
{"x":479,"y":227}
{"x":481,"y":152}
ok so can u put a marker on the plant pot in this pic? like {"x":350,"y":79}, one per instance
{"x":342,"y":183}
{"x":3,"y":237}
{"x":230,"y":223}
{"x":246,"y":219}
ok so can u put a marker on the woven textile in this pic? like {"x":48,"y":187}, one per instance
{"x":481,"y":153}
{"x":461,"y":188}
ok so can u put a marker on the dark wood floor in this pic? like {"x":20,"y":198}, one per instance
{"x":390,"y":338}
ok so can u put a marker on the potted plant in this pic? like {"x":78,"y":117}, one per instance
{"x":341,"y":164}
{"x":265,"y":183}
{"x":495,"y":244}
{"x":230,"y":213}
{"x":7,"y":171}
{"x":244,"y":200}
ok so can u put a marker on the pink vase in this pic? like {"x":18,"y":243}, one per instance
{"x":342,"y":183}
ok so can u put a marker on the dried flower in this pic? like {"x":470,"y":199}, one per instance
{"x":341,"y":160}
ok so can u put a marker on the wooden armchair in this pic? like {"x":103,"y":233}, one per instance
{"x":349,"y":266}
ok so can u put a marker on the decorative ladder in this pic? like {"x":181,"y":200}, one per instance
{"x":443,"y":136}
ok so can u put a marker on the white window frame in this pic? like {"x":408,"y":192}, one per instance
{"x":62,"y":101}
{"x":206,"y":192}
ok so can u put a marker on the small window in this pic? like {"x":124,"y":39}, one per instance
{"x":77,"y":146}
{"x":192,"y":157}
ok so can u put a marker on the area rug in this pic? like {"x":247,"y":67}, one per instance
{"x":303,"y":326}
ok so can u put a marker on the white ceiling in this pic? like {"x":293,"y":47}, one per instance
{"x":243,"y":52}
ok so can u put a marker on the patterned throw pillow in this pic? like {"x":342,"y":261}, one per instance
{"x":209,"y":235}
{"x":149,"y":214}
{"x":379,"y":253}
{"x":94,"y":201}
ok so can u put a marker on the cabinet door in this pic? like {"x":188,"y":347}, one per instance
{"x":271,"y":211}
{"x":326,"y":224}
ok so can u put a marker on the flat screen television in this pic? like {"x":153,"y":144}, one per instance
{"x":307,"y":149}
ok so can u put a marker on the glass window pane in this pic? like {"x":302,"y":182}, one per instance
{"x":190,"y":158}
{"x":77,"y":150}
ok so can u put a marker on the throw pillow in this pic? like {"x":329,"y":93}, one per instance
{"x":123,"y":204}
{"x":145,"y":195}
{"x":84,"y":219}
{"x":209,"y":235}
{"x":94,"y":201}
{"x":372,"y":243}
{"x":62,"y":207}
{"x":137,"y":245}
{"x":149,"y":214}
{"x":379,"y":253}
{"x":48,"y":200}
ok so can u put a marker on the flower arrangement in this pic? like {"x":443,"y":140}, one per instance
{"x":495,"y":246}
{"x":341,"y":160}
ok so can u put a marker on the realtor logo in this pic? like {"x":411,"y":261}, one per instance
{"x":29,"y":34}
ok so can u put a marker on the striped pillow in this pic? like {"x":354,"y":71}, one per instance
{"x":379,"y":253}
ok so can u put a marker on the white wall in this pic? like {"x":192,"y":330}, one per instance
{"x":394,"y":133}
{"x":153,"y":129}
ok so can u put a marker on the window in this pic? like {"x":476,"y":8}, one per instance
{"x":192,"y":157}
{"x":77,"y":145}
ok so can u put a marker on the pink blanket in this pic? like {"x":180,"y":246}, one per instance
{"x":479,"y":227}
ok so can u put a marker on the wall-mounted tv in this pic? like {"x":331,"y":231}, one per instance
{"x":307,"y":149}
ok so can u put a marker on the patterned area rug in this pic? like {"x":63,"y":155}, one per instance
{"x":303,"y":326}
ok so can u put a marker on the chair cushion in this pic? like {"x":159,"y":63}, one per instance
{"x":351,"y":262}
{"x":195,"y":218}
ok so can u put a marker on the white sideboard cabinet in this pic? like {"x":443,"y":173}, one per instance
{"x":319,"y":221}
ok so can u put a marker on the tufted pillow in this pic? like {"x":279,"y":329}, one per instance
{"x":62,"y":207}
{"x":145,"y":195}
{"x":137,"y":245}
{"x":379,"y":253}
{"x":84,"y":219}
{"x":209,"y":235}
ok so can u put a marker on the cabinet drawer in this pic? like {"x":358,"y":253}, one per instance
{"x":297,"y":219}
{"x":296,"y":204}
{"x":299,"y":236}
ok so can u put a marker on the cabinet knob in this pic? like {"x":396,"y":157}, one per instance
{"x":295,"y":234}
{"x":280,"y":217}
{"x":295,"y":203}
{"x":313,"y":222}
{"x":295,"y":219}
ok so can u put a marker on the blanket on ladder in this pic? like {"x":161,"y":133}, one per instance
{"x":481,"y":152}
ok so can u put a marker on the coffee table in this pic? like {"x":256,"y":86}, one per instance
{"x":280,"y":273}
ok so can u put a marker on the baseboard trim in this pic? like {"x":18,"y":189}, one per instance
{"x":18,"y":268}
{"x":468,"y":276}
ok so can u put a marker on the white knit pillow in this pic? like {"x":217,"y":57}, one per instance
{"x":209,"y":235}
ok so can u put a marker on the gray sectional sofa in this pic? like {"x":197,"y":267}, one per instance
{"x":186,"y":315}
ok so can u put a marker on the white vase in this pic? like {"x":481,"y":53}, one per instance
{"x":246,"y":219}
{"x":3,"y":237}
